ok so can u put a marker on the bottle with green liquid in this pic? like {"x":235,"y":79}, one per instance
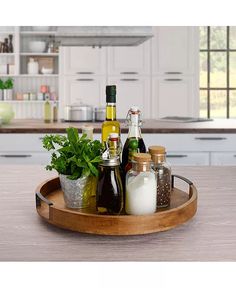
{"x":47,"y":111}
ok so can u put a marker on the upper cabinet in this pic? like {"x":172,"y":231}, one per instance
{"x":129,"y":60}
{"x":174,"y":50}
{"x":83,"y":60}
{"x":132,"y":91}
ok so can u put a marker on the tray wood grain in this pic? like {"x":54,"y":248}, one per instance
{"x":50,"y":206}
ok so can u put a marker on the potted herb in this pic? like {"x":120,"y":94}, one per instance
{"x":76,"y":160}
{"x":1,"y":89}
{"x":8,"y":89}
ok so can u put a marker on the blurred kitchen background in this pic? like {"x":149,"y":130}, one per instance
{"x":184,"y":73}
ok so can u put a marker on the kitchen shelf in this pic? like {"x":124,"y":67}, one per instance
{"x":8,"y":75}
{"x":39,"y":33}
{"x":27,"y":101}
{"x":39,"y":54}
{"x":7,"y":54}
{"x":38,"y":75}
{"x":29,"y":75}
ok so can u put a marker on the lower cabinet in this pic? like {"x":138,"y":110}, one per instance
{"x":188,"y":158}
{"x":223,"y":158}
{"x":42,"y":158}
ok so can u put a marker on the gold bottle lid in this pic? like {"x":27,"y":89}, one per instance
{"x":142,"y":157}
{"x":153,"y":150}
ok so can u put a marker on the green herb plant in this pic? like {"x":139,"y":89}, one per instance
{"x":8,"y":84}
{"x":1,"y":84}
{"x":73,"y":155}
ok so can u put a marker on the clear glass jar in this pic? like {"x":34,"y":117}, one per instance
{"x":163,"y":175}
{"x":140,"y":196}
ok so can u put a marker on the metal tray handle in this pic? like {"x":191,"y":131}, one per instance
{"x":40,"y":198}
{"x":190,"y":183}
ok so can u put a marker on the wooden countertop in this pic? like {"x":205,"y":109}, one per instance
{"x":149,"y":126}
{"x":210,"y":235}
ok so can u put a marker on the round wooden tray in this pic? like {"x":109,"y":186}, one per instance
{"x":50,"y":206}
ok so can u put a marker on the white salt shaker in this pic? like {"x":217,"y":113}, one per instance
{"x":141,"y":185}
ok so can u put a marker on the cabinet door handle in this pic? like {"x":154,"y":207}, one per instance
{"x":173,"y":73}
{"x":129,"y":73}
{"x":16,"y":156}
{"x":85,"y":73}
{"x":128,"y":79}
{"x":85,"y":79}
{"x":176,"y":156}
{"x":41,"y":138}
{"x":210,"y":138}
{"x":173,"y":79}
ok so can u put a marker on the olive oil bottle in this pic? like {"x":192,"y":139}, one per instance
{"x":47,"y":111}
{"x":110,"y":125}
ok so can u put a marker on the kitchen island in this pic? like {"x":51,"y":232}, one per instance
{"x":209,"y":236}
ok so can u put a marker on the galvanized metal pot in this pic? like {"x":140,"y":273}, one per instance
{"x":78,"y":193}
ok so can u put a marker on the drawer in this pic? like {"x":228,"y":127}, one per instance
{"x":223,"y":158}
{"x":192,"y":142}
{"x":25,"y":158}
{"x":21,"y":142}
{"x":187,"y":158}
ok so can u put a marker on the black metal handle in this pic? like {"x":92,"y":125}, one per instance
{"x":85,"y":73}
{"x":15,"y":156}
{"x":85,"y":79}
{"x":176,"y":156}
{"x":190,"y":183}
{"x":173,"y":79}
{"x":129,"y":73}
{"x":173,"y":73}
{"x":210,"y":138}
{"x":40,"y":198}
{"x":129,"y":79}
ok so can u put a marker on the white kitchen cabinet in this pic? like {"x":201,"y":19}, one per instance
{"x":23,"y":149}
{"x":175,"y":50}
{"x":18,"y":157}
{"x":83,"y":60}
{"x":129,"y":60}
{"x":174,"y":96}
{"x":81,"y":89}
{"x":223,"y":158}
{"x":192,"y":142}
{"x":132,"y":91}
{"x":188,"y":158}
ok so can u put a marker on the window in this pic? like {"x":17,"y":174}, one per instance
{"x":218,"y":72}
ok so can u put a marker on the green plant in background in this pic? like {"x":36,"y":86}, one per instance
{"x":8,"y":84}
{"x":73,"y":155}
{"x":1,"y":84}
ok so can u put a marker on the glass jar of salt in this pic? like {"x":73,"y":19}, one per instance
{"x":163,"y":175}
{"x":141,"y":196}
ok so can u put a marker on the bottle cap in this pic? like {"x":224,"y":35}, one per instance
{"x":114,"y":161}
{"x":156,"y":150}
{"x":134,"y":109}
{"x":142,"y":157}
{"x":111,"y":93}
{"x":113,"y":136}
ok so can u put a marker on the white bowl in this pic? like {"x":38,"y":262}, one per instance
{"x":37,"y":46}
{"x":41,"y":28}
{"x":46,"y":70}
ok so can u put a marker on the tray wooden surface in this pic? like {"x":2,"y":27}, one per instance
{"x":51,"y":207}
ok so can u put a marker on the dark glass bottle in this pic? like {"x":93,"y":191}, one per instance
{"x":134,"y":122}
{"x":6,"y":46}
{"x":11,"y":50}
{"x":109,"y":196}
